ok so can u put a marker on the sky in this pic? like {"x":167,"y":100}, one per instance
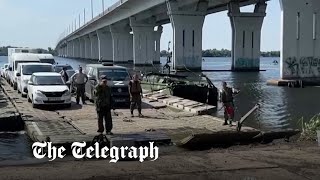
{"x":39,"y":23}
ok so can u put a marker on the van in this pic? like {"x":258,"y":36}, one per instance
{"x":24,"y":72}
{"x":15,"y":60}
{"x":118,"y":80}
{"x":46,"y":58}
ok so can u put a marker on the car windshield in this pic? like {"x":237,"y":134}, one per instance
{"x":50,"y":61}
{"x":58,"y":69}
{"x":48,"y":80}
{"x":30,"y":69}
{"x":115,"y":74}
{"x":17,"y":62}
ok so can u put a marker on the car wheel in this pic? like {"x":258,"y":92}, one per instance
{"x":68,"y":105}
{"x":29,"y":100}
{"x":33,"y":105}
{"x":19,"y":90}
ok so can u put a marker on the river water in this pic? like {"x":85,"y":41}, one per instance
{"x":281,"y":107}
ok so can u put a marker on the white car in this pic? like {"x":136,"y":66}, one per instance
{"x":4,"y":70}
{"x":48,"y":89}
{"x":24,"y":72}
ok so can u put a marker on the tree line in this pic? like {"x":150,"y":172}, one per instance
{"x":4,"y":50}
{"x":224,"y":53}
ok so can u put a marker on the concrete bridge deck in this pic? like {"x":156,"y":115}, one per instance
{"x":79,"y":123}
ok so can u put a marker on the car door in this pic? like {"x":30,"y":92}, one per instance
{"x":93,"y":82}
{"x":30,"y":87}
{"x":19,"y":68}
{"x":88,"y":84}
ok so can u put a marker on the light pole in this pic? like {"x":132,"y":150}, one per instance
{"x":84,"y":16}
{"x":91,"y":9}
{"x":79,"y":20}
{"x":102,"y":7}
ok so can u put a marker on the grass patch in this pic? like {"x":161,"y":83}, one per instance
{"x":309,"y":129}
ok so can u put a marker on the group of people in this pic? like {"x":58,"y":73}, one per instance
{"x":103,"y":97}
{"x":105,"y":103}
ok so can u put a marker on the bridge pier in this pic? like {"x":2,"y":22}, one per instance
{"x":82,"y":48}
{"x":122,"y":43}
{"x":187,"y":27}
{"x":87,"y":44}
{"x":69,"y":49}
{"x":76,"y":48}
{"x":105,"y":45}
{"x":300,"y":42}
{"x":94,"y":46}
{"x":143,"y":42}
{"x":246,"y":36}
{"x":157,"y":37}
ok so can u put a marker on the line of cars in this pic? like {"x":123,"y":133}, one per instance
{"x":36,"y":77}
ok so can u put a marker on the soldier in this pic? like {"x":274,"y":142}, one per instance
{"x":135,"y":91}
{"x":227,"y":100}
{"x":104,"y":104}
{"x":80,"y":79}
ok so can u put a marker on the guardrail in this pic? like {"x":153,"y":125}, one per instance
{"x":105,"y":12}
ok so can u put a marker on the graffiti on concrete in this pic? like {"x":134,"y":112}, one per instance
{"x":247,"y":63}
{"x":302,"y":67}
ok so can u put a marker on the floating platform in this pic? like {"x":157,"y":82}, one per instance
{"x":293,"y":83}
{"x":166,"y":120}
{"x":181,"y":103}
{"x":9,"y":117}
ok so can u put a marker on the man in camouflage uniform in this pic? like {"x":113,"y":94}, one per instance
{"x":104,"y":104}
{"x":135,"y":91}
{"x":227,"y":100}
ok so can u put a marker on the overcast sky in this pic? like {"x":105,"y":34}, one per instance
{"x":38,"y":23}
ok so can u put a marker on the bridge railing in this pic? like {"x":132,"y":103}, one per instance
{"x":106,"y":11}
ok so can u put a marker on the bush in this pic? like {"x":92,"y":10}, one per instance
{"x":309,"y":129}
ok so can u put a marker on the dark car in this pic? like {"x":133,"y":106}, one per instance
{"x":58,"y":68}
{"x":118,"y":80}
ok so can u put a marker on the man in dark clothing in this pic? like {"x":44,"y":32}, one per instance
{"x":64,"y":74}
{"x":104,"y":104}
{"x":227,"y":100}
{"x":135,"y":91}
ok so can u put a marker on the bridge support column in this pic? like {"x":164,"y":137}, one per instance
{"x":87,"y":44}
{"x":94,"y":46}
{"x":246,"y":36}
{"x":143,"y":42}
{"x":76,"y":48}
{"x":69,"y":49}
{"x":157,"y":36}
{"x":187,"y":34}
{"x":65,"y":50}
{"x":82,"y":48}
{"x":122,"y":42}
{"x":300,"y":39}
{"x":105,"y":45}
{"x":73,"y":50}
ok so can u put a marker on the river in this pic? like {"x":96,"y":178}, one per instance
{"x":281,"y":107}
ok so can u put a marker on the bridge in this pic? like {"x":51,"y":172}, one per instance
{"x":130,"y":31}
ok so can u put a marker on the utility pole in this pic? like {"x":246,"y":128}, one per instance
{"x":102,"y":7}
{"x":79,"y":20}
{"x":91,"y":9}
{"x":84,"y":16}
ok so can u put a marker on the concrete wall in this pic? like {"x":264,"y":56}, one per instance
{"x":300,"y":42}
